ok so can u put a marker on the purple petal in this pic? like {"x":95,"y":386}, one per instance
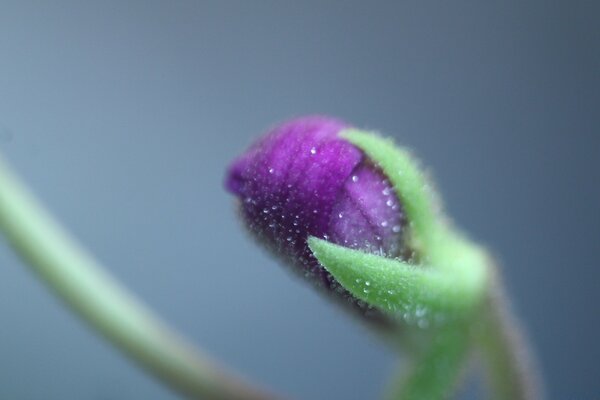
{"x":367,"y":214}
{"x":289,"y":181}
{"x":302,"y":180}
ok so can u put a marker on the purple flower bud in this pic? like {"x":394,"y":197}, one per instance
{"x":301,"y":180}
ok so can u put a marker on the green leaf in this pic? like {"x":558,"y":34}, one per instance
{"x":417,"y":294}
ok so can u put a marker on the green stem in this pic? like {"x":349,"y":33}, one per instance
{"x":112,"y":311}
{"x":435,"y":370}
{"x":510,"y":367}
{"x":436,"y":363}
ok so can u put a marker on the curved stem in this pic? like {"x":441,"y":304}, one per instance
{"x":112,"y":311}
{"x":511,"y":370}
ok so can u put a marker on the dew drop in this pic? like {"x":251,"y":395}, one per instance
{"x":340,"y":215}
{"x":396,"y":228}
{"x":384,"y":224}
{"x":354,"y":178}
{"x":271,"y":170}
{"x":313,"y":151}
{"x":389,"y":203}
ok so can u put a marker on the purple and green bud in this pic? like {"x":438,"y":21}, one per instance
{"x":356,"y":215}
{"x":303,"y":179}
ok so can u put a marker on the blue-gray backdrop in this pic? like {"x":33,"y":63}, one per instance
{"x":123,"y":115}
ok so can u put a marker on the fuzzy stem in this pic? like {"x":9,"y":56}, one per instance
{"x":436,"y":367}
{"x":510,"y":367}
{"x":112,"y":311}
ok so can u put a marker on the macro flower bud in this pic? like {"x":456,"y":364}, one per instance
{"x":302,"y":179}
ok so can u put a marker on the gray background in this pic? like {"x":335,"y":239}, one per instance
{"x":123,"y":116}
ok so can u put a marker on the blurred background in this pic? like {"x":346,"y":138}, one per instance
{"x":122,"y":117}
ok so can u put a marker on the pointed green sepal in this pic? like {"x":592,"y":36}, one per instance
{"x":410,"y":184}
{"x":415,"y":293}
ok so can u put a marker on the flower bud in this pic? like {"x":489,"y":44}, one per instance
{"x":302,"y":179}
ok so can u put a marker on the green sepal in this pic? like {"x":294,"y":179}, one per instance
{"x":436,"y":244}
{"x":417,"y":294}
{"x":410,"y":184}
